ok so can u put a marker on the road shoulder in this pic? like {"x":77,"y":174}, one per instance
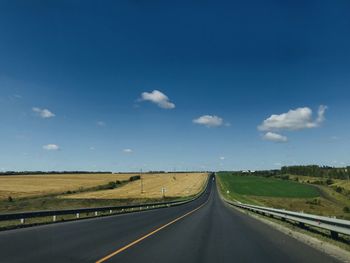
{"x":323,"y":246}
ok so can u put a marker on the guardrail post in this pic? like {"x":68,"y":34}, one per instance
{"x":96,"y":213}
{"x":78,"y":215}
{"x":302,"y":225}
{"x":23,"y":220}
{"x":334,"y":235}
{"x":54,"y":218}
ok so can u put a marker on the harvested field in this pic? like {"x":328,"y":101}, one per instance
{"x":19,"y":186}
{"x":176,"y":185}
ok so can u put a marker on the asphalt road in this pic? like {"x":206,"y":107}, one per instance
{"x":206,"y":230}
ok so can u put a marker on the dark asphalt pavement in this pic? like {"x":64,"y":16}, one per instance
{"x":213,"y":233}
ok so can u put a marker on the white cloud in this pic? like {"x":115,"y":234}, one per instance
{"x":300,"y":118}
{"x":43,"y":113}
{"x":51,"y":147}
{"x":127,"y":151}
{"x":222,"y":158}
{"x":275,"y":137}
{"x":101,"y":123}
{"x":157,"y":98}
{"x":209,"y":121}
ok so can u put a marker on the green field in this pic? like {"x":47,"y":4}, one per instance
{"x":260,"y":186}
{"x":283,"y":194}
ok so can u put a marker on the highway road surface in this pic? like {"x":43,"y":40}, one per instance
{"x":205,"y":230}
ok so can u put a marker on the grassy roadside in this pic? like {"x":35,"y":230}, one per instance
{"x":13,"y":224}
{"x":284,"y":194}
{"x":53,"y":203}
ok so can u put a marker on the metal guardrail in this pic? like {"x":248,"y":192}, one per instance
{"x":45,"y":213}
{"x":334,"y":225}
{"x":22,"y":216}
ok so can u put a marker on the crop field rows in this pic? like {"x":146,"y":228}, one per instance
{"x":18,"y":186}
{"x":174,"y":185}
{"x":66,"y":191}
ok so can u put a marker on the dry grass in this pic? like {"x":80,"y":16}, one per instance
{"x":330,"y":203}
{"x":343,"y":183}
{"x":19,"y":186}
{"x":309,"y":179}
{"x":176,"y":184}
{"x":324,"y":207}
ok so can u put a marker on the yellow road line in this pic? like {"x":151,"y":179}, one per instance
{"x":149,"y":234}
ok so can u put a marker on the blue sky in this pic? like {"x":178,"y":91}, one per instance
{"x":157,"y":85}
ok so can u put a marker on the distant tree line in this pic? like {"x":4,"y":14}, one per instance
{"x":49,"y":172}
{"x":264,"y":173}
{"x":317,"y":171}
{"x":301,"y":170}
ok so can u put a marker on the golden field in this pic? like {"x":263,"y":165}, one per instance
{"x":18,"y":186}
{"x":176,"y":184}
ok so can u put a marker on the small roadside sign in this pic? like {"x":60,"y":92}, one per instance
{"x":163,"y":191}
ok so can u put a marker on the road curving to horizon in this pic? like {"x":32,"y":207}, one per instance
{"x":205,"y":230}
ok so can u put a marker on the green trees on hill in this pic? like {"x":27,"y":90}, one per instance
{"x":302,"y":170}
{"x":317,"y":171}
